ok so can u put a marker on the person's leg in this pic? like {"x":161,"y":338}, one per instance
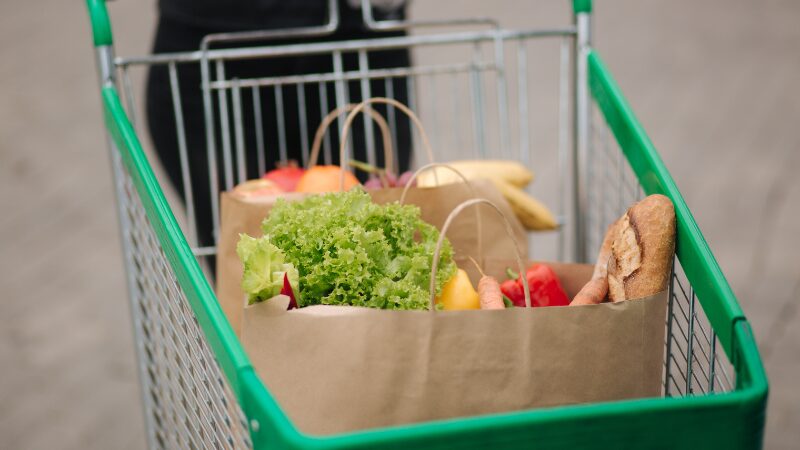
{"x":399,"y":91}
{"x":172,"y":36}
{"x":354,"y":28}
{"x":311,"y":109}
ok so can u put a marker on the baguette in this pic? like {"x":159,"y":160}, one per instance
{"x":642,"y":249}
{"x":601,"y":266}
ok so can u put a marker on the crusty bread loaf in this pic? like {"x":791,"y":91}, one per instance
{"x":601,"y":266}
{"x":642,"y":250}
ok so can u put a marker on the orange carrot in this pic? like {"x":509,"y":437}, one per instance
{"x":592,"y":293}
{"x":489,"y":290}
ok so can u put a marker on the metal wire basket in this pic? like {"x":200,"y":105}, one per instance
{"x":481,"y":92}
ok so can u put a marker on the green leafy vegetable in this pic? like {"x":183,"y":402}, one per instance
{"x":264,"y":268}
{"x":350,"y":251}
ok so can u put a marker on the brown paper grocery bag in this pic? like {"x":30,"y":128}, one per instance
{"x":336,"y":369}
{"x":239,"y":215}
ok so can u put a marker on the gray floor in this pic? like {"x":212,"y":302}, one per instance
{"x":715,"y":84}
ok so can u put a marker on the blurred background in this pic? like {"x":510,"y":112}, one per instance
{"x":714,"y":83}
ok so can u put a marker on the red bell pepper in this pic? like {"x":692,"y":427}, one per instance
{"x":512,"y":289}
{"x":544,"y":286}
{"x":288,"y":291}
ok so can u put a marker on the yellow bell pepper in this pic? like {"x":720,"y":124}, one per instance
{"x":458,"y":293}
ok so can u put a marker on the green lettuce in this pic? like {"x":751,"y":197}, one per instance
{"x":264,"y":268}
{"x":351,"y":251}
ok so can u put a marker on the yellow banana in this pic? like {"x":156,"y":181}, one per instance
{"x":509,"y":171}
{"x":532,"y":213}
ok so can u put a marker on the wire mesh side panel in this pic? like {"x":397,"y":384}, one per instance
{"x":188,"y":402}
{"x":479,"y":95}
{"x":694,"y":362}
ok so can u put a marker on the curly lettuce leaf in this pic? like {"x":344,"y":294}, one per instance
{"x":351,"y":251}
{"x":264,"y":268}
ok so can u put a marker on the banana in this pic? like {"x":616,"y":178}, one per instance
{"x":532,"y":213}
{"x":509,"y":177}
{"x":509,"y":171}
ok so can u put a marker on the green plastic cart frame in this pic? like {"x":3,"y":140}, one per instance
{"x":225,"y":404}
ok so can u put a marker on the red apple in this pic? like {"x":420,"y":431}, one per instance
{"x":286,"y":176}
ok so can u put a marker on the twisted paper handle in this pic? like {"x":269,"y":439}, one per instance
{"x":456,"y":211}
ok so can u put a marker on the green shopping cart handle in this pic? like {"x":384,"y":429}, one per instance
{"x":101,"y":24}
{"x":582,"y":6}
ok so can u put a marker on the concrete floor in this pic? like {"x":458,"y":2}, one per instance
{"x":714,"y":83}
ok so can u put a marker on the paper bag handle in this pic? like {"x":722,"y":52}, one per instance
{"x":386,"y":135}
{"x":453,"y":214}
{"x":471,"y":188}
{"x":361,"y":106}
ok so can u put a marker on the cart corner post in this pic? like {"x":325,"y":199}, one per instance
{"x":103,"y":40}
{"x":582,"y":6}
{"x":581,"y":119}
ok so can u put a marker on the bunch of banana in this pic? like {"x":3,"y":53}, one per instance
{"x":510,"y":177}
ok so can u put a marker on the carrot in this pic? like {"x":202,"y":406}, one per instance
{"x":592,"y":293}
{"x":489,"y":290}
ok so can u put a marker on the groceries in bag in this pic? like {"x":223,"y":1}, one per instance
{"x":635,"y":258}
{"x":286,"y":175}
{"x":488,"y":290}
{"x":347,"y":250}
{"x":405,"y":343}
{"x":543,"y":283}
{"x":458,"y":293}
{"x":383,"y":178}
{"x":330,"y":178}
{"x":257,"y":189}
{"x":396,"y":367}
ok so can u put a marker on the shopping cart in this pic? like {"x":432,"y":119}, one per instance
{"x":199,"y":389}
